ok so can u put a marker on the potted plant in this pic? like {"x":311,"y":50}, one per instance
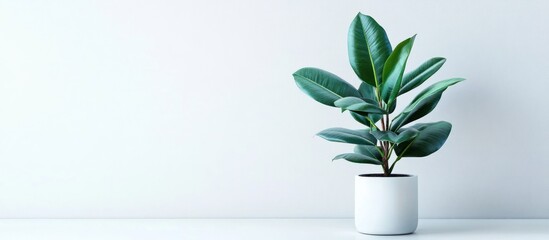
{"x":385,"y":203}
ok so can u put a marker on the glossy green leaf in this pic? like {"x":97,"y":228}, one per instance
{"x":365,"y":108}
{"x":344,"y":135}
{"x":430,"y":138}
{"x":323,"y":86}
{"x":419,"y":75}
{"x":423,"y":108}
{"x":375,"y":117}
{"x":393,"y":137}
{"x":348,"y":101}
{"x":361,"y":119}
{"x":384,"y":135}
{"x":369,"y":150}
{"x":430,"y":91}
{"x":368,"y":48}
{"x":358,"y":105}
{"x":368,"y":92}
{"x":357,"y":158}
{"x":406,"y":135}
{"x":394,"y":70}
{"x":392,"y":107}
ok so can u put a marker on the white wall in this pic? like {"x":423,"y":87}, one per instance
{"x":188,"y":109}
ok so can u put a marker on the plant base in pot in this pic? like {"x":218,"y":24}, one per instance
{"x":386,"y":205}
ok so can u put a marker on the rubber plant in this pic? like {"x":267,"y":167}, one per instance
{"x":382,"y":71}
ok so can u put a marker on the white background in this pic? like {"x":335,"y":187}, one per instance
{"x":171,"y":109}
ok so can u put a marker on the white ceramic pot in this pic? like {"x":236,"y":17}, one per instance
{"x":386,"y":205}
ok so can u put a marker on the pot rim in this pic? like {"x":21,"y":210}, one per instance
{"x":380,"y":175}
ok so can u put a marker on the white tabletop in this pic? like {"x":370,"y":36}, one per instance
{"x":288,"y":229}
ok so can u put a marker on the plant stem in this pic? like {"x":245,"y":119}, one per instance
{"x":384,"y":147}
{"x":387,"y":121}
{"x":382,"y":124}
{"x":389,"y":150}
{"x":383,"y":144}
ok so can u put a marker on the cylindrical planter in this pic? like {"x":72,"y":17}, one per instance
{"x":386,"y":205}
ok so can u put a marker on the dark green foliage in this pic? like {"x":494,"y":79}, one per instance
{"x":381,"y":70}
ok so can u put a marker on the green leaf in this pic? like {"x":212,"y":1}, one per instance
{"x":365,"y":108}
{"x":432,"y":90}
{"x":423,"y":108}
{"x":419,"y":75}
{"x":369,"y":150}
{"x":406,"y":135}
{"x":384,"y":135}
{"x":393,"y":137}
{"x":392,"y":107}
{"x":375,"y":117}
{"x":361,"y":119}
{"x":323,"y":86}
{"x":430,"y":138}
{"x":344,"y":135}
{"x":358,"y":105}
{"x":394,"y":69}
{"x":348,"y":101}
{"x":368,"y":93}
{"x":368,"y":48}
{"x":357,"y":158}
{"x":423,"y":103}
